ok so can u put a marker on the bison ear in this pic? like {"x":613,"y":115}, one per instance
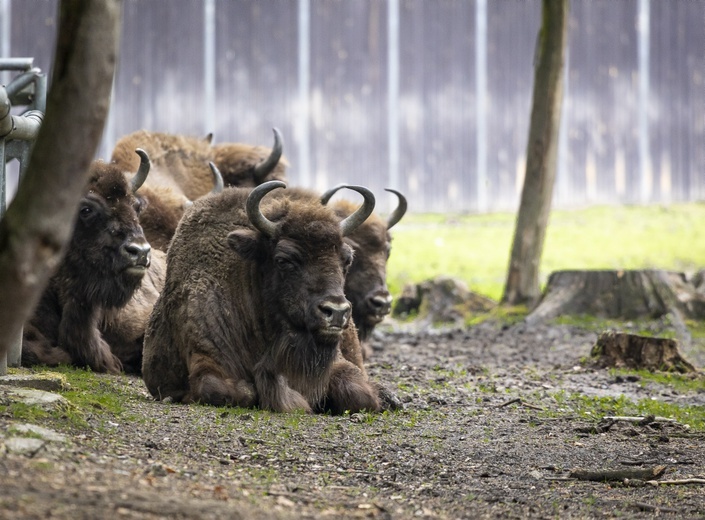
{"x":244,"y":242}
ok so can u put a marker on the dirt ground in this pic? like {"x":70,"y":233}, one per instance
{"x":487,"y":431}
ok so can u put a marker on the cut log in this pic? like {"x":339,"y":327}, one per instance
{"x":616,"y":349}
{"x":626,"y":295}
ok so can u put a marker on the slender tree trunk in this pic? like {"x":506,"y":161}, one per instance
{"x":38,"y":223}
{"x":522,"y":285}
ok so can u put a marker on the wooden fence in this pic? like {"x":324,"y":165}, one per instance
{"x":431,"y":97}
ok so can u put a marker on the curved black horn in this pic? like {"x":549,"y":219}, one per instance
{"x":261,"y":223}
{"x":141,"y":175}
{"x":218,"y":184}
{"x":328,"y":194}
{"x":399,"y":211}
{"x":265,"y":167}
{"x":351,"y":223}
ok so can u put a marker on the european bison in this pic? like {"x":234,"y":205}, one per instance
{"x":366,"y":281}
{"x":253,"y":311}
{"x":181,"y":174}
{"x":102,"y":269}
{"x":248,"y":166}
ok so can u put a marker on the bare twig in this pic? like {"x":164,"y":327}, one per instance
{"x":636,"y":419}
{"x":511,"y":401}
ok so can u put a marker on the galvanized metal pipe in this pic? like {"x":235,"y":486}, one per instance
{"x":16,"y":63}
{"x":21,"y":82}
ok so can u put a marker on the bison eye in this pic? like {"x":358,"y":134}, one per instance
{"x":86,"y":212}
{"x":285,"y":264}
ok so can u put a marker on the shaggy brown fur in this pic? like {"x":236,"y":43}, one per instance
{"x":241,"y":320}
{"x":104,"y":264}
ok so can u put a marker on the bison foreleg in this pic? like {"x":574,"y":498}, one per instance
{"x":79,"y":336}
{"x":349,"y":390}
{"x":208,"y":384}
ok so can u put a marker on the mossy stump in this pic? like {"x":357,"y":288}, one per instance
{"x":620,"y":294}
{"x":621,"y":350}
{"x":440,"y":300}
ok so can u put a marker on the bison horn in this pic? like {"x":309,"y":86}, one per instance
{"x":265,"y":167}
{"x":351,"y":223}
{"x":141,"y":175}
{"x":218,"y":184}
{"x":400,"y":210}
{"x":328,"y":194}
{"x":261,"y":223}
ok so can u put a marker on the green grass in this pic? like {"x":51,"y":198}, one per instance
{"x":476,"y":248}
{"x":594,"y":408}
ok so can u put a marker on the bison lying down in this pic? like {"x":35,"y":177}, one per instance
{"x":102,"y":269}
{"x":366,"y":282}
{"x":180,"y":174}
{"x":253,"y":311}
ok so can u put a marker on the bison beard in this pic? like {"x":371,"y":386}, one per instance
{"x":257,"y":316}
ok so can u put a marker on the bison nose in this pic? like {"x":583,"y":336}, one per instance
{"x":335,"y":314}
{"x":380,"y":303}
{"x":137,"y":253}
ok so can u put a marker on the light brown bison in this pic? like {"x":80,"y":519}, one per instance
{"x":366,"y":281}
{"x":181,"y":174}
{"x":102,"y":269}
{"x":253,"y":311}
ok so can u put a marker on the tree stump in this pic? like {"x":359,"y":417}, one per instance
{"x":627,"y":295}
{"x":616,"y":349}
{"x":441,"y":300}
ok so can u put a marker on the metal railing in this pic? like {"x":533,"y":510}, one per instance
{"x":17,"y":136}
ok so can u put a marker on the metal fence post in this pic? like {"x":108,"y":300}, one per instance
{"x":17,"y":135}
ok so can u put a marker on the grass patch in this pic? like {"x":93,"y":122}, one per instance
{"x":594,"y":408}
{"x":476,"y":248}
{"x":678,"y":382}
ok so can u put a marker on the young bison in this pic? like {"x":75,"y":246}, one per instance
{"x":253,"y":311}
{"x":102,"y":269}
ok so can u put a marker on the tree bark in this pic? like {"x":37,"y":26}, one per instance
{"x":522,"y":286}
{"x":617,"y":349}
{"x":38,"y":223}
{"x":626,"y":295}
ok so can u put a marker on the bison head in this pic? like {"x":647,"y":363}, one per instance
{"x":249,"y":166}
{"x":108,"y":254}
{"x":366,"y":282}
{"x":303,"y":260}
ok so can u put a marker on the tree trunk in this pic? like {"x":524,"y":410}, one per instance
{"x":522,"y":286}
{"x":624,"y":295}
{"x":39,"y":221}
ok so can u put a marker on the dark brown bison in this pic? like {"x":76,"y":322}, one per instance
{"x":180,"y":174}
{"x":102,"y":269}
{"x":366,"y":281}
{"x":253,"y":311}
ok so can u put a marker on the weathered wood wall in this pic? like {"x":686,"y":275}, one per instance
{"x":338,"y":130}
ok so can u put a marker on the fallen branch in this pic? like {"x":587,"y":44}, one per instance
{"x":679,"y":482}
{"x":618,"y":474}
{"x":648,"y":419}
